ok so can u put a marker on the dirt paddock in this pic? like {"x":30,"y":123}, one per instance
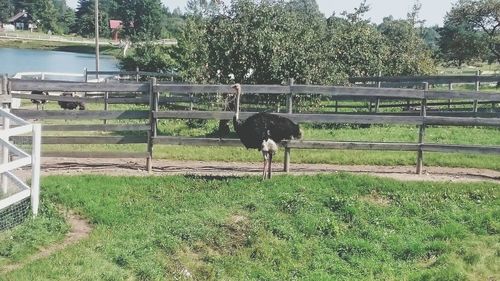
{"x":136,"y":167}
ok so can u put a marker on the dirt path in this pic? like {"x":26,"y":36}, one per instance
{"x":136,"y":167}
{"x":79,"y":229}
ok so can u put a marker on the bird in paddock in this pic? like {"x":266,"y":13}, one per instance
{"x":39,"y":102}
{"x":71,"y":104}
{"x":263,"y":131}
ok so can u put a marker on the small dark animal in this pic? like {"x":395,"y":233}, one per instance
{"x":39,"y":102}
{"x":71,"y":105}
{"x":263,"y":131}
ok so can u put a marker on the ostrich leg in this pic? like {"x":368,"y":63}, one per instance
{"x":264,"y":168}
{"x":270,"y":169}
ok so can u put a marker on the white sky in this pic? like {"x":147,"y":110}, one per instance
{"x":433,"y":11}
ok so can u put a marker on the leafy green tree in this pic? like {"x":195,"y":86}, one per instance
{"x":67,"y":20}
{"x":461,"y":44}
{"x":85,"y":19}
{"x":141,"y":19}
{"x":24,"y":5}
{"x":356,"y":46}
{"x":431,"y":37}
{"x":45,"y":14}
{"x":272,"y":41}
{"x":407,"y":52}
{"x":173,"y":23}
{"x":66,"y":16}
{"x":191,"y":52}
{"x":6,"y":10}
{"x":482,"y":16}
{"x":149,"y":57}
{"x":264,"y":42}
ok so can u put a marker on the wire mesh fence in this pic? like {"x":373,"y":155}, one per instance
{"x":14,"y":214}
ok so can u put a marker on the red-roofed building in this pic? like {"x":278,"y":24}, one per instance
{"x":115,"y":26}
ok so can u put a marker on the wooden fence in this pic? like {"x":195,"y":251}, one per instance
{"x":420,"y":81}
{"x":150,"y":92}
{"x":431,"y":79}
{"x":137,"y":74}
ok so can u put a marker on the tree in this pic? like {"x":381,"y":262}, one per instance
{"x":461,"y":44}
{"x":408,"y":54}
{"x":45,"y":14}
{"x":149,"y":57}
{"x":191,"y":52}
{"x":356,"y":47}
{"x":482,"y":16}
{"x":173,"y":23}
{"x":27,"y":5}
{"x":67,"y":20}
{"x":6,"y":10}
{"x":141,"y":19}
{"x":431,"y":37}
{"x":85,"y":19}
{"x":66,"y":16}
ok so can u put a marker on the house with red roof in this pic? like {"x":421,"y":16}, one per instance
{"x":116,"y":26}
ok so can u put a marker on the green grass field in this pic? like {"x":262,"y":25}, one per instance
{"x":336,"y":227}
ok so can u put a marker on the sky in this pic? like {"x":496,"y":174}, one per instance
{"x":433,"y":11}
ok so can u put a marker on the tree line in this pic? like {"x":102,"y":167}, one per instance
{"x":150,"y":17}
{"x":271,"y":41}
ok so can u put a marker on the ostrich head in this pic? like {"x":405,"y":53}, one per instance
{"x":237,"y":87}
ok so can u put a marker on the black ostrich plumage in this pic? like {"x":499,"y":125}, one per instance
{"x":257,"y":127}
{"x":39,"y":101}
{"x":71,"y":105}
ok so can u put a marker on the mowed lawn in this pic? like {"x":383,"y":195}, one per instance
{"x":328,"y":227}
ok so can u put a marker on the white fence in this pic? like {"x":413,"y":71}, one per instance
{"x":13,"y":189}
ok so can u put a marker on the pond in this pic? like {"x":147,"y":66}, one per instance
{"x":14,"y":60}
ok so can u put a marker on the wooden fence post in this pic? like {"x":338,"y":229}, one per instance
{"x":286,"y":164}
{"x":152,"y":133}
{"x":289,"y":102}
{"x":478,"y":85}
{"x":136,"y":74}
{"x":85,"y":75}
{"x":421,"y":134}
{"x":450,"y":88}
{"x":106,"y":105}
{"x":379,"y":82}
{"x":379,"y":85}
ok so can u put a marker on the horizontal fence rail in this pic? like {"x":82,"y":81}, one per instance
{"x":60,"y":86}
{"x":81,"y":114}
{"x":418,"y":111}
{"x":437,"y":79}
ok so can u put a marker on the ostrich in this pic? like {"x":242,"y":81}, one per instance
{"x":40,"y":102}
{"x":262,"y":131}
{"x":71,"y":104}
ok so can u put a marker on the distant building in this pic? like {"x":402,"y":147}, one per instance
{"x":23,"y":21}
{"x":116,"y":26}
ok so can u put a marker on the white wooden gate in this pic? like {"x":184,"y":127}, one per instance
{"x":12,"y":188}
